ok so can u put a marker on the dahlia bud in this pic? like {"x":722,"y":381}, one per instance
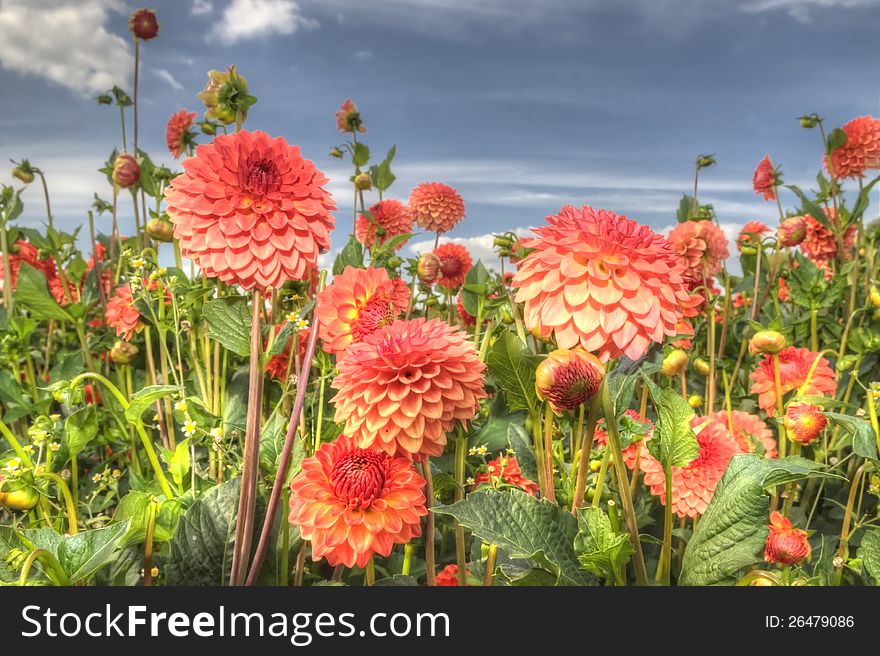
{"x":674,"y":362}
{"x":23,"y":172}
{"x":143,"y":24}
{"x":809,"y":122}
{"x":695,"y":401}
{"x":123,"y":352}
{"x":335,"y":152}
{"x":126,"y":170}
{"x":767,"y":341}
{"x":874,"y":297}
{"x":105,"y":99}
{"x":701,"y":366}
{"x":502,"y":242}
{"x":363,"y":182}
{"x":785,"y":545}
{"x":19,"y":496}
{"x":705,"y":160}
{"x":160,"y":230}
{"x":428,"y":268}
{"x":804,"y":422}
{"x":846,"y":363}
{"x":208,"y":128}
{"x":792,"y":231}
{"x":568,"y":377}
{"x":226,"y":96}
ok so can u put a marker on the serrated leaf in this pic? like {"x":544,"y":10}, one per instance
{"x":229,"y":322}
{"x":598,"y":547}
{"x":351,"y":255}
{"x":531,"y":576}
{"x":864,"y":440}
{"x":361,"y":154}
{"x":674,"y":443}
{"x":134,"y":507}
{"x":731,"y":533}
{"x":524,"y":527}
{"x":144,"y":398}
{"x":200,"y":553}
{"x":519,"y":441}
{"x":83,"y":554}
{"x":869,"y":552}
{"x":179,"y":463}
{"x":475,"y":287}
{"x":32,"y":292}
{"x":513,"y":366}
{"x":81,"y":428}
{"x":813,"y":209}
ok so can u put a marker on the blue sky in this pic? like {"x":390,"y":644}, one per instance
{"x":524,"y":106}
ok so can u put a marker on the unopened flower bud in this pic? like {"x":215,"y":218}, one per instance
{"x":208,"y":128}
{"x":792,"y":231}
{"x":566,"y":378}
{"x":705,"y":160}
{"x":160,"y":229}
{"x":363,"y":182}
{"x":674,"y":362}
{"x":695,"y":401}
{"x":804,"y":422}
{"x":126,"y":170}
{"x":123,"y":352}
{"x":809,"y":122}
{"x":428,"y":268}
{"x":701,"y":366}
{"x":766,"y":341}
{"x":874,"y":297}
{"x":105,"y":99}
{"x":786,"y":545}
{"x":335,"y":152}
{"x":143,"y":24}
{"x":23,"y":173}
{"x":18,"y":495}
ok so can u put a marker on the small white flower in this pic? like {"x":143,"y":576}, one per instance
{"x":470,"y":480}
{"x":54,"y":447}
{"x":189,"y":427}
{"x":482,"y":450}
{"x":216,"y":433}
{"x":180,"y":405}
{"x":96,"y":478}
{"x":138,"y":263}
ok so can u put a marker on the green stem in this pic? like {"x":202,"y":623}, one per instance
{"x":66,"y":497}
{"x":55,"y":572}
{"x":461,"y":447}
{"x":586,"y":447}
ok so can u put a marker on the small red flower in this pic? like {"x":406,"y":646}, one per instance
{"x":765,"y":179}
{"x":794,"y":367}
{"x":804,"y":422}
{"x":751,"y":234}
{"x":280,"y":367}
{"x":506,"y":468}
{"x":122,"y":314}
{"x":348,"y":119}
{"x":143,"y":24}
{"x":455,"y":262}
{"x":448,"y":576}
{"x":178,"y":137}
{"x":786,"y":545}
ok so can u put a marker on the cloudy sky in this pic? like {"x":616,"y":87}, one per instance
{"x":522,"y":105}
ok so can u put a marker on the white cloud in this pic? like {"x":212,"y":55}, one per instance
{"x":166,"y":76}
{"x":201,"y":7}
{"x":249,"y":19}
{"x":363,"y":55}
{"x":67,"y":43}
{"x":802,"y":9}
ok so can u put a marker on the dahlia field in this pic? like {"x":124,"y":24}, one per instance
{"x":207,"y":401}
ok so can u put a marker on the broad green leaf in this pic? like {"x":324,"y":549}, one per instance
{"x":229,"y":322}
{"x":83,"y":554}
{"x":382,"y":176}
{"x":361,"y":154}
{"x":869,"y":552}
{"x":81,"y":428}
{"x":864,"y":440}
{"x":351,"y":255}
{"x":272,"y":442}
{"x":836,"y":139}
{"x":475,"y":287}
{"x":732,"y":531}
{"x":862,"y":201}
{"x":598,"y":547}
{"x":622,"y":385}
{"x":146,"y":397}
{"x":32,"y":292}
{"x":235,"y":405}
{"x":519,"y":441}
{"x":531,"y":576}
{"x":179,"y":464}
{"x":134,"y":507}
{"x":674,"y":443}
{"x":513,"y":366}
{"x":524,"y":527}
{"x":201,"y":549}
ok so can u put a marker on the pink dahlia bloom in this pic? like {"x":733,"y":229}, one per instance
{"x":746,"y":429}
{"x":794,"y":367}
{"x":390,"y":218}
{"x":764,"y":180}
{"x":348,"y":119}
{"x":406,"y":385}
{"x":122,"y":314}
{"x":352,"y":503}
{"x":703,"y":246}
{"x":861,"y":150}
{"x":436,"y":207}
{"x":177,"y":133}
{"x":251,"y":211}
{"x":603,"y":282}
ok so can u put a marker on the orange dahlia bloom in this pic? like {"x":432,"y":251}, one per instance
{"x":792,"y":231}
{"x":603,"y":282}
{"x":794,"y":366}
{"x":786,"y":545}
{"x":436,"y":207}
{"x":251,"y":211}
{"x":348,"y":119}
{"x":406,"y":385}
{"x":177,"y":133}
{"x":567,"y":378}
{"x":804,"y":422}
{"x":820,"y":245}
{"x":861,"y":150}
{"x":751,"y":234}
{"x":506,"y":469}
{"x":122,"y":314}
{"x":764,"y":180}
{"x":455,"y":262}
{"x":448,"y":576}
{"x":351,"y":503}
{"x":694,"y":484}
{"x":746,"y":429}
{"x":702,"y":244}
{"x":783,"y":293}
{"x":391,"y":218}
{"x":357,"y":303}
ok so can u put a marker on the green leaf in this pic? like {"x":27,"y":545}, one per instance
{"x":272,"y":442}
{"x":351,"y":255}
{"x":732,"y":531}
{"x":862,"y":201}
{"x":361,"y":154}
{"x":179,"y":463}
{"x":200,"y":553}
{"x":869,"y":552}
{"x":81,"y":428}
{"x":532,"y":576}
{"x":475,"y":287}
{"x":674,"y":443}
{"x":813,"y":209}
{"x":146,"y":397}
{"x":134,"y":507}
{"x":381,"y":174}
{"x":519,"y":441}
{"x":229,"y":322}
{"x":83,"y":554}
{"x":864,"y":440}
{"x":599,"y":548}
{"x":513,"y":366}
{"x":524,"y":527}
{"x":836,"y":139}
{"x":32,"y":292}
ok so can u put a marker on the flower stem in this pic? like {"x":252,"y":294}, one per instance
{"x":586,"y":447}
{"x":847,"y":519}
{"x":491,"y":559}
{"x":430,"y":564}
{"x":64,"y":493}
{"x":408,"y":551}
{"x":148,"y":544}
{"x":461,"y":447}
{"x":548,"y":453}
{"x":55,"y":571}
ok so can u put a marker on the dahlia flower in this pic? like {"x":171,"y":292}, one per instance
{"x":694,"y":484}
{"x":567,"y":378}
{"x":455,"y":262}
{"x":448,"y":576}
{"x":506,"y":469}
{"x":357,"y":303}
{"x":603,"y":282}
{"x":428,"y":268}
{"x":126,"y":170}
{"x":765,"y":179}
{"x":786,"y":545}
{"x":122,"y":314}
{"x":820,"y":245}
{"x":702,"y":244}
{"x":351,"y":503}
{"x":861,"y":150}
{"x":279,"y":365}
{"x":794,"y":366}
{"x":792,"y":231}
{"x":746,"y":429}
{"x":436,"y":207}
{"x":783,"y":293}
{"x":251,"y":211}
{"x":390,"y":218}
{"x":751,"y":234}
{"x":406,"y":385}
{"x":226,"y":96}
{"x":143,"y":24}
{"x":26,"y":252}
{"x":804,"y":422}
{"x":348,"y":119}
{"x":178,"y":137}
